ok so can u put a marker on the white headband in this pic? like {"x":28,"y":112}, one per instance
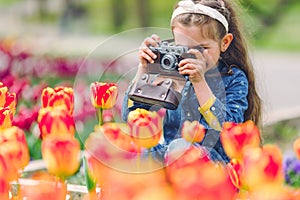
{"x":188,"y":6}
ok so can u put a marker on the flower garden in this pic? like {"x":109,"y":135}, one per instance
{"x":75,"y":130}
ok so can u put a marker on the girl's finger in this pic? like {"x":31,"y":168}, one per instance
{"x":147,"y":54}
{"x":156,"y":38}
{"x":197,"y":53}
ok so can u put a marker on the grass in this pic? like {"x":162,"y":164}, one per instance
{"x":285,"y":35}
{"x":282,"y":133}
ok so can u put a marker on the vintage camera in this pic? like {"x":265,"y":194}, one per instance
{"x":162,"y":84}
{"x":168,"y":57}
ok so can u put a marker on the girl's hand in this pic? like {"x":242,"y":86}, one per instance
{"x":195,"y":68}
{"x":145,"y":54}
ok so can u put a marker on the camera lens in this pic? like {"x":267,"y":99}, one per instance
{"x":169,"y":62}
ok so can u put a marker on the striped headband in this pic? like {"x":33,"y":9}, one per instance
{"x":188,"y":6}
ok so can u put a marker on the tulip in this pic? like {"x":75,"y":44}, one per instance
{"x":236,"y":138}
{"x":119,"y":135}
{"x":4,"y":188}
{"x":193,"y":131}
{"x":6,"y":117}
{"x":146,"y":127}
{"x":262,"y":167}
{"x":7,"y":99}
{"x":103,"y":95}
{"x":110,"y":144}
{"x":61,"y":154}
{"x":59,"y":96}
{"x":296,"y":147}
{"x":234,"y":170}
{"x":54,"y":121}
{"x":13,"y":142}
{"x":3,"y":91}
{"x":191,"y":176}
{"x":42,"y":188}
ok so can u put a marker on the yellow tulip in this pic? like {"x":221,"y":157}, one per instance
{"x":146,"y":127}
{"x":193,"y":131}
{"x":61,"y":154}
{"x":58,"y":96}
{"x":55,"y":121}
{"x":103,"y":95}
{"x":6,"y":117}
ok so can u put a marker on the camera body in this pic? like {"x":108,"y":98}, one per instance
{"x":162,"y":84}
{"x":168,"y":57}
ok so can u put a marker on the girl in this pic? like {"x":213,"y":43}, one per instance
{"x":221,"y":84}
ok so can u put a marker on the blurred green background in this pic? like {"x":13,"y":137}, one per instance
{"x":48,"y":32}
{"x":272,"y":24}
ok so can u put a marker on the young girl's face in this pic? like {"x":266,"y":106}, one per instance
{"x":192,"y":36}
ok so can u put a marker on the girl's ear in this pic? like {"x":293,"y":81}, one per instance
{"x":226,"y":41}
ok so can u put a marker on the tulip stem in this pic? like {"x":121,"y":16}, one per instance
{"x":100,"y":116}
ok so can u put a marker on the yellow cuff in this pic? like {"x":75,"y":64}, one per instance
{"x":210,"y":118}
{"x":129,"y":103}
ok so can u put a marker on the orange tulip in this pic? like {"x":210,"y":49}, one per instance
{"x":13,"y":142}
{"x":119,"y":135}
{"x":193,"y":131}
{"x":14,"y":153}
{"x":296,"y":147}
{"x":110,"y":145}
{"x":4,"y":187}
{"x":61,"y":154}
{"x":55,"y":121}
{"x":262,"y":167}
{"x":59,"y":96}
{"x":146,"y":127}
{"x":6,"y":117}
{"x":42,"y":186}
{"x":195,"y":177}
{"x":236,"y":138}
{"x":103,"y":95}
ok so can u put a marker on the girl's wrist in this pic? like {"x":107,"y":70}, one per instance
{"x":141,"y":70}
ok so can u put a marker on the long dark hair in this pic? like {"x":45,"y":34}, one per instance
{"x":237,"y":53}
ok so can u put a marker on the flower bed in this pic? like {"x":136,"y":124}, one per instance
{"x":87,"y":149}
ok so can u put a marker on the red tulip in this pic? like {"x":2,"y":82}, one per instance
{"x":103,"y":95}
{"x":59,"y":96}
{"x":61,"y":154}
{"x":296,"y":147}
{"x":55,"y":121}
{"x":193,"y":131}
{"x":236,"y":138}
{"x":262,"y":167}
{"x":146,"y":127}
{"x":6,"y":117}
{"x":7,"y":99}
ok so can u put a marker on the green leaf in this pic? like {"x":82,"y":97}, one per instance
{"x":90,"y":181}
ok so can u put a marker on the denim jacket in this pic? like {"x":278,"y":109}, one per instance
{"x":228,"y":104}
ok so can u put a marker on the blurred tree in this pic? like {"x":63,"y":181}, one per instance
{"x":144,"y":12}
{"x":71,"y":11}
{"x":42,"y":8}
{"x":268,"y":12}
{"x":118,"y":13}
